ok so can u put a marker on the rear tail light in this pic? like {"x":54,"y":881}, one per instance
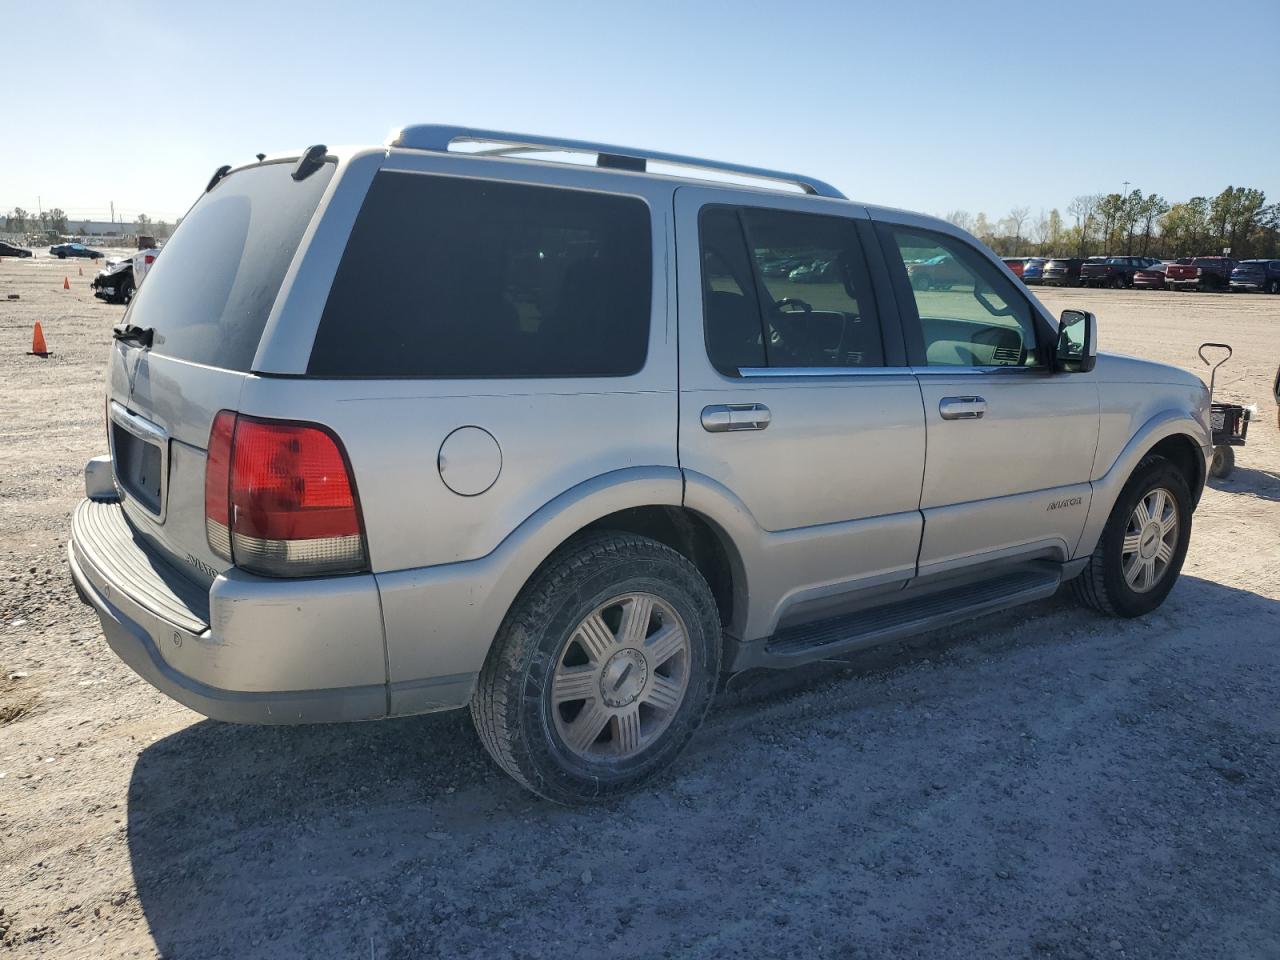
{"x":1199,"y":272}
{"x":279,"y":498}
{"x":150,"y":259}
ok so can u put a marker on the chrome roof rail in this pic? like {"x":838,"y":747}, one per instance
{"x":439,"y":137}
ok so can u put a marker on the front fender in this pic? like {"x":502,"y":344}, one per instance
{"x":1106,"y":489}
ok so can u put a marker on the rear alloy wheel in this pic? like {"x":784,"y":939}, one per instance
{"x":124,"y":292}
{"x":1140,"y":553}
{"x":602,"y":670}
{"x":1273,"y":286}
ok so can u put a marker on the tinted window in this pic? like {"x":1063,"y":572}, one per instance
{"x":785,"y":289}
{"x":446,"y":277}
{"x":970,"y":315}
{"x":209,"y":296}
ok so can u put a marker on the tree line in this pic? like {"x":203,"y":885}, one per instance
{"x":1136,"y":224}
{"x":55,"y":223}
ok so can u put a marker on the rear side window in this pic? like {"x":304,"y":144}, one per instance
{"x":208,"y":297}
{"x":785,"y":289}
{"x":453,"y":278}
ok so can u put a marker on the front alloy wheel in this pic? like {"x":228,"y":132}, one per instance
{"x":1150,"y":540}
{"x":1139,"y":555}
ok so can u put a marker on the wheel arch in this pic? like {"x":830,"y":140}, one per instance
{"x":1173,"y":435}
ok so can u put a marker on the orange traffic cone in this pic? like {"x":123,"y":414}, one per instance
{"x":38,"y":346}
{"x":66,"y":283}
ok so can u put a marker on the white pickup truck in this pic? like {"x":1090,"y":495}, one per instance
{"x":120,"y":279}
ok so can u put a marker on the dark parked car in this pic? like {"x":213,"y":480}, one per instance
{"x":1151,"y":277}
{"x":115,"y":283}
{"x":1200,"y":273}
{"x":1250,"y":276}
{"x":64,"y":250}
{"x":9,"y":250}
{"x":1113,"y":271}
{"x":1033,"y":270}
{"x":1063,"y":272}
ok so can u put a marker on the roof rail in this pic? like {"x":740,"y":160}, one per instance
{"x":438,"y":137}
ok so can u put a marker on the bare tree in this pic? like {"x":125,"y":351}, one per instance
{"x":961,"y":218}
{"x":1085,"y":209}
{"x":1018,"y":219}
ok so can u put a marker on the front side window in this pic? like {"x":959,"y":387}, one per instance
{"x":446,"y":277}
{"x":785,"y":289}
{"x":970,"y":314}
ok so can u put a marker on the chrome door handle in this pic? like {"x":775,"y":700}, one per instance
{"x":730,"y":417}
{"x":962,"y":408}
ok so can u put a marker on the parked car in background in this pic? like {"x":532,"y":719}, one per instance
{"x":937,"y":273}
{"x":1063,"y":271}
{"x":1113,"y":271}
{"x":1033,"y":270}
{"x":1015,"y":264}
{"x":1151,"y":277}
{"x":1200,"y":273}
{"x":142,"y":261}
{"x":64,"y":250}
{"x":1252,"y":276}
{"x":9,"y":250}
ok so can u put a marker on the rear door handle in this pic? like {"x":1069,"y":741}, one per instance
{"x":962,"y":408}
{"x":730,"y":417}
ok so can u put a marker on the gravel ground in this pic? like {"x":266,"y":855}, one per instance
{"x":1044,"y":783}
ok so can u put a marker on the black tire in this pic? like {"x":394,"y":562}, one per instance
{"x":1101,"y":584}
{"x":1224,"y":461}
{"x":512,"y":708}
{"x":124,"y":292}
{"x":1273,"y":286}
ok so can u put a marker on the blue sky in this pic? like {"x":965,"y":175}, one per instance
{"x":929,"y":105}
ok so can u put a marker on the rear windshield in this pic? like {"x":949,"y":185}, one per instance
{"x":209,"y":296}
{"x":447,"y":277}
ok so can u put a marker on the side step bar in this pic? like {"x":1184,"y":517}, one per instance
{"x":906,"y":616}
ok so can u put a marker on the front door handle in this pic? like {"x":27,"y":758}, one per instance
{"x":730,"y":417}
{"x":962,"y":408}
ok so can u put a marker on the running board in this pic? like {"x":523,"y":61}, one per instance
{"x":907,"y":616}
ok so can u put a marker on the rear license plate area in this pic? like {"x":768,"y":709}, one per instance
{"x":139,"y":465}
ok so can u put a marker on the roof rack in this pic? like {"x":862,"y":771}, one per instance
{"x":439,"y":137}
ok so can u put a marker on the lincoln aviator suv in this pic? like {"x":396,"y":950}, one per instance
{"x":412,"y":427}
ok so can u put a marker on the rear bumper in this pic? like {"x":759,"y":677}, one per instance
{"x":1248,"y":286}
{"x":248,"y":650}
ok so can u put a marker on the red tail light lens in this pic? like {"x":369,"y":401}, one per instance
{"x":288,"y":503}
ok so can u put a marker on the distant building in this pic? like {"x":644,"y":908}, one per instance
{"x":99,"y":228}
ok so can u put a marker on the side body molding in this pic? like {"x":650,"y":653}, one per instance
{"x":1107,"y":487}
{"x":794,"y":573}
{"x":440,"y":621}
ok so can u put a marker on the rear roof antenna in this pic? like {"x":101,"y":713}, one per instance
{"x":312,"y":160}
{"x":218,"y":174}
{"x":260,"y":156}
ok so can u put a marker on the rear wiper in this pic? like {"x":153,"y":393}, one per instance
{"x":128,"y":333}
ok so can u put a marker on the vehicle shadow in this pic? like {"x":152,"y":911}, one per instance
{"x":1263,"y":484}
{"x":352,"y":839}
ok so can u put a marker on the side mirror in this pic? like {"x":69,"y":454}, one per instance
{"x":1077,"y":348}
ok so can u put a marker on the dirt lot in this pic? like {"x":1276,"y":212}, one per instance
{"x":1045,"y":783}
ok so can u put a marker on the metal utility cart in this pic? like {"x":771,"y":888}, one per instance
{"x":1230,"y":421}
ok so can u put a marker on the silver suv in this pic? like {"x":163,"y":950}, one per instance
{"x":414,"y":427}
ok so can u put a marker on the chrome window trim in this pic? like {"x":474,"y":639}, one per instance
{"x":940,"y":371}
{"x":765,"y":372}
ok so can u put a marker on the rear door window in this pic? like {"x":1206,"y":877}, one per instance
{"x":209,"y":297}
{"x":785,"y":289}
{"x":446,"y":277}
